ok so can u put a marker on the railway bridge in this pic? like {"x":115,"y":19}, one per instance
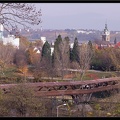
{"x":78,"y":90}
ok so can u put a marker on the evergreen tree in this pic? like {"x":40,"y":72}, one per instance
{"x":56,"y":53}
{"x":115,"y":41}
{"x":74,"y":54}
{"x":61,"y":55}
{"x":90,"y":44}
{"x":67,"y":52}
{"x":46,"y":60}
{"x":57,"y":42}
{"x":46,"y":51}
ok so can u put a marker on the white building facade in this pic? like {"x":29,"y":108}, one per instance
{"x":11,"y":39}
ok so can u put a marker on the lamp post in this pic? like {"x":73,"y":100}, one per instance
{"x":58,"y":108}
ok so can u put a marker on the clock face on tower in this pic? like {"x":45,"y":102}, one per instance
{"x":107,"y":33}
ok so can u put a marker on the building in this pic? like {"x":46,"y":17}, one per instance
{"x":43,"y":39}
{"x":10,"y":39}
{"x":105,"y":42}
{"x":117,"y":45}
{"x":106,"y":34}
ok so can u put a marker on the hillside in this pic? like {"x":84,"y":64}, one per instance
{"x":82,"y":35}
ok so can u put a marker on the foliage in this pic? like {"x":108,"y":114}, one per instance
{"x":74,"y":56}
{"x":61,"y":55}
{"x":102,"y":60}
{"x":46,"y":51}
{"x":115,"y":41}
{"x":57,"y":42}
{"x":24,"y":42}
{"x":21,"y":61}
{"x":21,"y":102}
{"x":6,"y":56}
{"x":38,"y":43}
{"x":90,"y":44}
{"x":32,"y":56}
{"x":115,"y":56}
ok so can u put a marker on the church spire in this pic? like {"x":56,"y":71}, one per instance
{"x":106,"y":26}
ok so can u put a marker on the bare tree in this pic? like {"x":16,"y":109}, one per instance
{"x":6,"y":56}
{"x":32,"y":56}
{"x":21,"y":61}
{"x":14,"y":14}
{"x":24,"y":42}
{"x":85,"y":54}
{"x":38,"y":43}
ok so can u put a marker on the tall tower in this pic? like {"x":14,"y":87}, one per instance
{"x":106,"y":34}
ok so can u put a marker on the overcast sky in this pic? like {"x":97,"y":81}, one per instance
{"x":80,"y":15}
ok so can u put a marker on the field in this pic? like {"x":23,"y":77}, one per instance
{"x":13,"y":75}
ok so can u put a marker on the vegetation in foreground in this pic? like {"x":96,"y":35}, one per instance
{"x":21,"y":102}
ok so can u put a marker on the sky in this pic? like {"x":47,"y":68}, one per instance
{"x":79,"y":15}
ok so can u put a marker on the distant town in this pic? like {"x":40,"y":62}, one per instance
{"x":83,"y":35}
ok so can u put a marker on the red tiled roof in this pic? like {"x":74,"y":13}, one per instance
{"x":118,"y":44}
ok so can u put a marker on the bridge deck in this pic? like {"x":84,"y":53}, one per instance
{"x":70,"y":87}
{"x":50,"y":84}
{"x":75,"y":92}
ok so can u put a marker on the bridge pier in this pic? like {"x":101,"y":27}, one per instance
{"x":81,"y":101}
{"x":114,"y":91}
{"x":81,"y":98}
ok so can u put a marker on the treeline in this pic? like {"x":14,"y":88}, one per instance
{"x":64,"y":57}
{"x":43,"y":62}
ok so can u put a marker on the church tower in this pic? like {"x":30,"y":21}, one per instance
{"x":106,"y":34}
